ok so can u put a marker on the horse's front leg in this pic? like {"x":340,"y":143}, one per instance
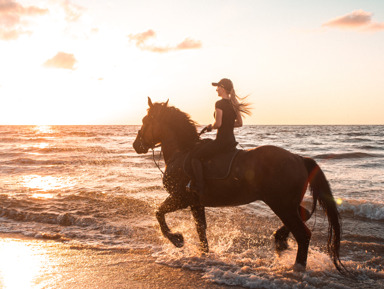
{"x":171,"y":204}
{"x":198,"y":213}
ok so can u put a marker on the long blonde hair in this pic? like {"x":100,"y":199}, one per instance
{"x":238,"y":103}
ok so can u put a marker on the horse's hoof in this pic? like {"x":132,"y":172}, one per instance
{"x":281,"y":245}
{"x":298,"y":268}
{"x":177,"y":239}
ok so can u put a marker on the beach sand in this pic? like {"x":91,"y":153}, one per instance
{"x":36,"y":263}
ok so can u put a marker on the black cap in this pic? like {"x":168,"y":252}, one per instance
{"x":225,"y":83}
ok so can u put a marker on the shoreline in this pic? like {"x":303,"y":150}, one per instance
{"x":39,"y":263}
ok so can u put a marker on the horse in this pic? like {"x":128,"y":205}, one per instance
{"x":267,"y":173}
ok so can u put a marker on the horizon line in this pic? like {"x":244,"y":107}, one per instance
{"x":356,"y":124}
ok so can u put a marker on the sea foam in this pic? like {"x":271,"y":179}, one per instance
{"x":364,"y":209}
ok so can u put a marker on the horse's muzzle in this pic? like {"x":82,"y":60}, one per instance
{"x":139,"y":146}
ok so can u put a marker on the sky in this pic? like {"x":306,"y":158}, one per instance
{"x":96,"y":62}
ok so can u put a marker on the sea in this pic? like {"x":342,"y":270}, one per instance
{"x":86,"y":186}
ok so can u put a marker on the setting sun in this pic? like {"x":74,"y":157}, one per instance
{"x":127,"y":162}
{"x":65,"y":62}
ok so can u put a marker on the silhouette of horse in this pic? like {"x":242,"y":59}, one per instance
{"x":267,"y":173}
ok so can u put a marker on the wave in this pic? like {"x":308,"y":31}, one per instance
{"x":370,"y":147}
{"x":82,"y":209}
{"x":61,"y":162}
{"x":372,"y":165}
{"x":356,"y":134}
{"x":64,"y":219}
{"x":29,"y":161}
{"x":356,"y":140}
{"x":15,"y":140}
{"x":256,"y":265}
{"x":95,"y":149}
{"x":93,"y":218}
{"x":7,"y":155}
{"x":363,"y":209}
{"x":353,"y":155}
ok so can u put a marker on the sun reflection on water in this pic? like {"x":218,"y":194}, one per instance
{"x":42,"y":185}
{"x":42,"y":145}
{"x":43,"y":129}
{"x":19,"y":265}
{"x":42,"y":196}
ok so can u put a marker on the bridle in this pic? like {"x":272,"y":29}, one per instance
{"x":144,"y":143}
{"x":152,"y":147}
{"x":156,"y":145}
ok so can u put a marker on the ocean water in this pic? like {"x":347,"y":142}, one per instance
{"x":86,"y":186}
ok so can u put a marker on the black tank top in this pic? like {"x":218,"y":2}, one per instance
{"x":225,"y":133}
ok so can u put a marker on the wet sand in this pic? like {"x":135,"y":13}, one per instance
{"x":34,"y":263}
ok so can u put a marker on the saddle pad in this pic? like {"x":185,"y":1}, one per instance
{"x":217,"y":167}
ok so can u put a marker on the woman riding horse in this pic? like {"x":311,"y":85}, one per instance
{"x":268,"y":173}
{"x":228,"y":112}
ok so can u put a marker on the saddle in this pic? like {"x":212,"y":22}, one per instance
{"x":217,"y":167}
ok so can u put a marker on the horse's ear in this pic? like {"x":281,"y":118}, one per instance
{"x":166,"y":103}
{"x":150,"y":102}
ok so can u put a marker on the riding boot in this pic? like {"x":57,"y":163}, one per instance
{"x":198,"y":184}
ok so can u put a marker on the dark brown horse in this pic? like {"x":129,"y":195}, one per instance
{"x":267,"y":173}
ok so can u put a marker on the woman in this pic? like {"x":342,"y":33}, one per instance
{"x":228,"y":115}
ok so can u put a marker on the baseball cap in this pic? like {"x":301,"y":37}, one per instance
{"x":225,"y":83}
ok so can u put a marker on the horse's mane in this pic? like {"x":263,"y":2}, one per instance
{"x":179,"y":121}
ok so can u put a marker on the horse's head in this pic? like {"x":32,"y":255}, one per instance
{"x":149,"y":134}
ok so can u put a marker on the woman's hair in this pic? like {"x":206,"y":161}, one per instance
{"x":239,"y":104}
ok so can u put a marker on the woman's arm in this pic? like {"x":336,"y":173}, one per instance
{"x":218,"y":119}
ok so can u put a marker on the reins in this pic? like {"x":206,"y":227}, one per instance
{"x":204,"y":130}
{"x":154,"y":160}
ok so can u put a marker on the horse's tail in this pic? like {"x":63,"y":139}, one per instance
{"x":321,"y":192}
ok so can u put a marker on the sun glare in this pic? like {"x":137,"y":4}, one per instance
{"x":42,"y":185}
{"x":42,"y":196}
{"x":43,"y":129}
{"x":43,"y":145}
{"x":20,"y":265}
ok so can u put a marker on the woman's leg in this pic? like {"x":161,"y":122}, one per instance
{"x":198,"y":177}
{"x":206,"y":151}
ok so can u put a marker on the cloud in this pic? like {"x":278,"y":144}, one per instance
{"x":11,"y":22}
{"x":189,"y":44}
{"x":140,"y":38}
{"x":358,"y":20}
{"x":12,"y":34}
{"x":61,"y":60}
{"x":376,"y":26}
{"x":73,"y":12}
{"x":141,"y":41}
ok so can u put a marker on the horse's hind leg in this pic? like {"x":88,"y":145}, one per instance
{"x":302,"y":234}
{"x":281,"y":235}
{"x":201,"y":226}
